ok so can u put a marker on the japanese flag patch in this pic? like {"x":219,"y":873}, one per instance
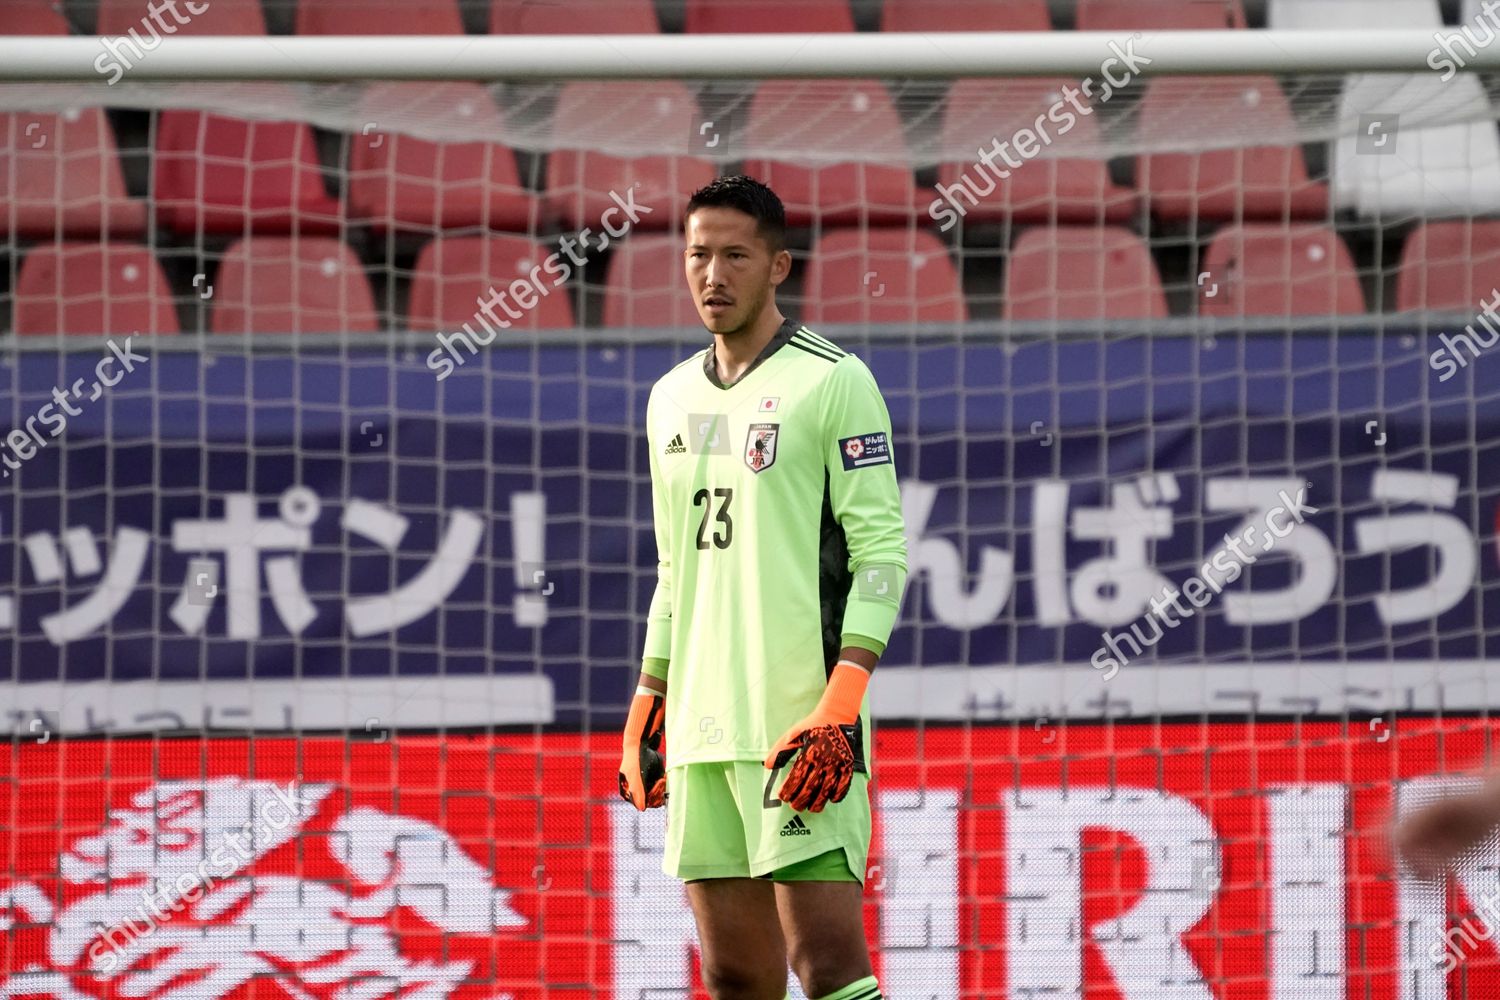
{"x":864,"y":450}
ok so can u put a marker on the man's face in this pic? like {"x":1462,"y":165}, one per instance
{"x":731,"y":272}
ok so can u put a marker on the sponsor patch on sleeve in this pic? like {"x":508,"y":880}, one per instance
{"x":865,"y":449}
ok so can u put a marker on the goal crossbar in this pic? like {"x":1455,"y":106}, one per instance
{"x":759,"y":56}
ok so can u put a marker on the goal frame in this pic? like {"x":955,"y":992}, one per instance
{"x":915,"y":55}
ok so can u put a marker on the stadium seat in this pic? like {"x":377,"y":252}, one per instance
{"x":1324,"y":14}
{"x":92,"y":288}
{"x":1252,"y":182}
{"x":965,"y":15}
{"x":646,"y":284}
{"x":452,"y":275}
{"x":573,"y":17}
{"x":1159,"y":15}
{"x":868,"y":275}
{"x":1435,"y":171}
{"x":1264,"y":269}
{"x":1450,"y":266}
{"x":400,"y":181}
{"x":756,"y":16}
{"x":1049,"y":187}
{"x":593,"y":115}
{"x":221,"y":17}
{"x":230,"y":175}
{"x":1082,"y":273}
{"x":60,"y":173}
{"x":827,"y":122}
{"x":288,"y":284}
{"x":1406,"y":168}
{"x":378,"y":17}
{"x":32,"y":17}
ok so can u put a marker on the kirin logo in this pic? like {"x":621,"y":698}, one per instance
{"x":181,"y":910}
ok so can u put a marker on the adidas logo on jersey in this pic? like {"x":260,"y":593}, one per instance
{"x":795,"y":828}
{"x":675,"y":446}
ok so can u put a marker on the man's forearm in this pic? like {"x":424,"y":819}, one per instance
{"x":861,"y":656}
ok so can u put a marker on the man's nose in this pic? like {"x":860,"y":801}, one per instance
{"x":713,"y":275}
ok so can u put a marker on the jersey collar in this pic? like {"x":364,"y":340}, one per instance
{"x":783,"y":336}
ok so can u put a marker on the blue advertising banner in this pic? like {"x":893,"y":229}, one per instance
{"x":343,"y":530}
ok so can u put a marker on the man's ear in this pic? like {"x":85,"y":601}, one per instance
{"x":781,"y":266}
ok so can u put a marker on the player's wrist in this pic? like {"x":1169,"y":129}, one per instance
{"x":643,"y":718}
{"x":845,"y":693}
{"x":654,"y":666}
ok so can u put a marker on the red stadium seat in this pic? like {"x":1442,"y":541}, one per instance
{"x":378,"y":17}
{"x":828,"y":122}
{"x":1450,"y":266}
{"x":1045,"y":188}
{"x":1160,"y":15}
{"x":647,"y":284}
{"x":659,"y":114}
{"x":882,"y":276}
{"x":229,"y":175}
{"x":453,"y":274}
{"x":756,"y":16}
{"x":1082,"y":273}
{"x":221,"y":17}
{"x":1254,"y":182}
{"x":31,"y":17}
{"x":572,"y":17}
{"x":1265,"y":269}
{"x":965,"y":15}
{"x":92,"y":288}
{"x":402,"y":181}
{"x":282,"y":284}
{"x":60,"y":173}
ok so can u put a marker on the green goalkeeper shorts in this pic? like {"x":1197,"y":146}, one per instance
{"x":724,"y":821}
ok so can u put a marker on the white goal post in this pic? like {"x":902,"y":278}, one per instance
{"x":762,"y":56}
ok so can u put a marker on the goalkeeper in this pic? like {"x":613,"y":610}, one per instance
{"x":782,"y":560}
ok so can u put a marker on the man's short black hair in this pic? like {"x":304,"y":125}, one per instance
{"x":748,"y":195}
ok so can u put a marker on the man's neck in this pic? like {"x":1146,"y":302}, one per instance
{"x":735,"y":354}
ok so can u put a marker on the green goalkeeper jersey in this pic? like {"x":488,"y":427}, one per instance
{"x":779,"y":538}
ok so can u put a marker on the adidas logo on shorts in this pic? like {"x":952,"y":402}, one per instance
{"x":795,"y":828}
{"x":675,"y":446}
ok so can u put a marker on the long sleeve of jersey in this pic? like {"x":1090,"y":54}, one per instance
{"x":866,"y":501}
{"x":658,"y":650}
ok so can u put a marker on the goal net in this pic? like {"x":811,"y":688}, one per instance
{"x":326,"y":520}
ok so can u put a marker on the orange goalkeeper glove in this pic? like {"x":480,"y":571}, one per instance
{"x":643,"y":769}
{"x":825,"y":768}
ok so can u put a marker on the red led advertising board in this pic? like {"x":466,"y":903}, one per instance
{"x":1215,"y":861}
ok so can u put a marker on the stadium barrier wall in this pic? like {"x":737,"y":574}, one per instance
{"x":339,"y":528}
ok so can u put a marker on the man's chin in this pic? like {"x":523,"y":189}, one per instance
{"x":721,"y":324}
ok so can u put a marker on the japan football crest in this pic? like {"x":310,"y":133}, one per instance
{"x":760,"y":446}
